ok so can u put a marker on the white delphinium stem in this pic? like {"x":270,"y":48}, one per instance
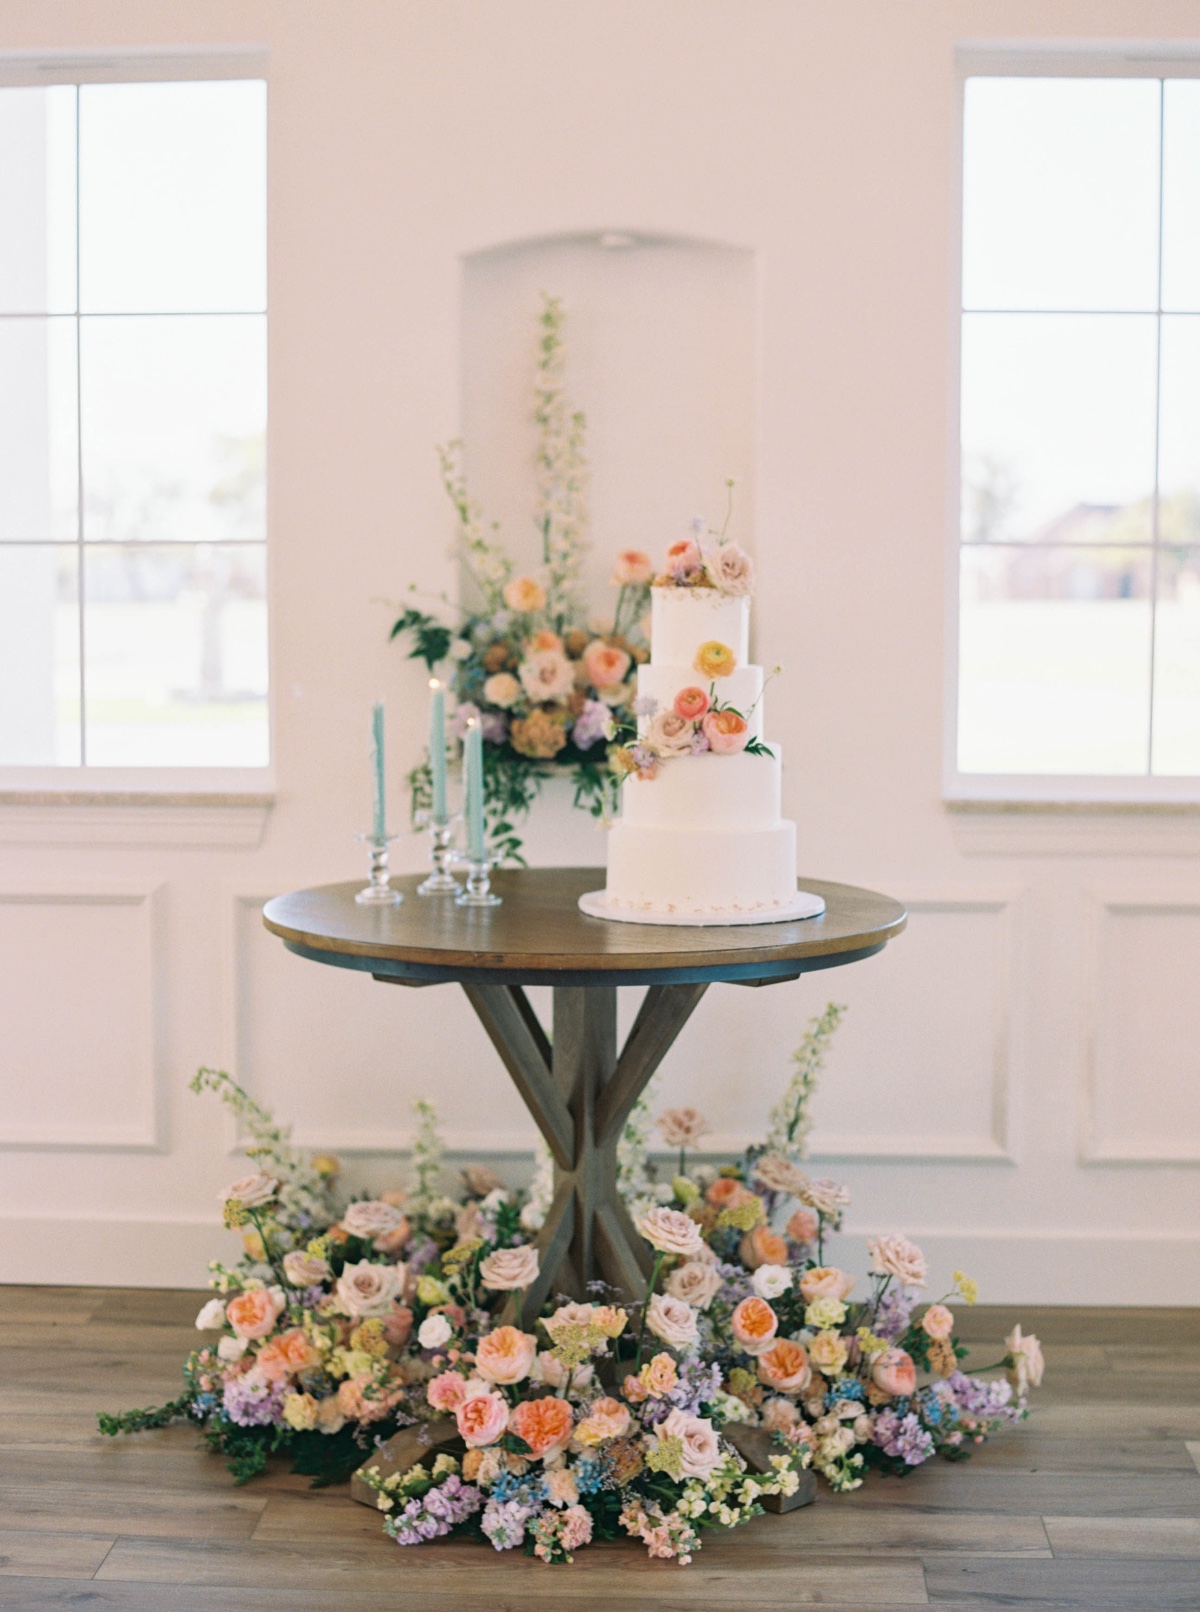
{"x":790,"y":1119}
{"x":561,"y":511}
{"x":427,"y":1151}
{"x":482,"y":557}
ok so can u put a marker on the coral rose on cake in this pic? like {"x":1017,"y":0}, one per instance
{"x":727,"y":732}
{"x":524,"y":595}
{"x":482,"y":1418}
{"x":754,"y":1325}
{"x":762,"y":1246}
{"x":682,"y":1127}
{"x":365,"y":1289}
{"x":670,"y":1232}
{"x":715,"y":659}
{"x":632,"y":568}
{"x":505,"y":1270}
{"x":896,"y":1256}
{"x":505,"y":1355}
{"x":697,"y":1283}
{"x":605,"y":664}
{"x":672,"y":1320}
{"x":894,"y":1373}
{"x":253,"y":1314}
{"x":684,"y":561}
{"x":669,"y":735}
{"x":691,"y":703}
{"x":825,"y":1282}
{"x":784,"y":1366}
{"x":701,"y":1447}
{"x":547,"y":675}
{"x":730,"y":569}
{"x":545,"y":1424}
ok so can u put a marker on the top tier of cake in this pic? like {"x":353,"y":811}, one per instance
{"x":681,"y":619}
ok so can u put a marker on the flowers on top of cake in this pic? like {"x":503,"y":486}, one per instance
{"x":708,"y":559}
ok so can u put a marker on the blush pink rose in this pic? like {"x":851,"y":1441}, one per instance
{"x":938,"y":1321}
{"x":894,"y":1373}
{"x":605,"y":664}
{"x":481,"y":1419}
{"x":632,"y":568}
{"x":447,"y":1391}
{"x":726,"y":732}
{"x":803,"y":1227}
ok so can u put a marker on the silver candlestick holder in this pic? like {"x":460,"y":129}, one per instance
{"x":378,"y":892}
{"x":477,"y":892}
{"x":441,"y":831}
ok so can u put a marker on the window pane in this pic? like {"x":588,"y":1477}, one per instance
{"x":39,"y":468}
{"x":1060,"y":193}
{"x":1181,"y":194}
{"x":176,"y":655}
{"x":39,"y":656}
{"x":1058,"y":428}
{"x":37,"y":200}
{"x":174,"y":421}
{"x":1054,"y":660}
{"x":172,"y":203}
{"x":1179,"y":430}
{"x":1177,"y":663}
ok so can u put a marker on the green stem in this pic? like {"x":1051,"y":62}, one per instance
{"x":280,"y":1275}
{"x":650,"y":1287}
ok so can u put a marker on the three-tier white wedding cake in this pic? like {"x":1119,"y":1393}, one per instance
{"x":700,"y":838}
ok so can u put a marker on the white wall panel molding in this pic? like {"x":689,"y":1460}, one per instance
{"x":131,"y":819}
{"x":1074,"y":828}
{"x":83,"y":1025}
{"x":951,"y":1005}
{"x":1139,"y":1092}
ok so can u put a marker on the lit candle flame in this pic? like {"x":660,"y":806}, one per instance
{"x":433,"y":683}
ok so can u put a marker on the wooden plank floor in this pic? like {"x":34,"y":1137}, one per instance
{"x":1095,"y":1503}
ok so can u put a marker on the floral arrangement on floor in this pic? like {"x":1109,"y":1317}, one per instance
{"x":342,"y":1324}
{"x":549,"y":690}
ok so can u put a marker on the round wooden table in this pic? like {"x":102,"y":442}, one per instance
{"x":577,"y":1085}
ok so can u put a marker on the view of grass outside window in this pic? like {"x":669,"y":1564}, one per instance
{"x":133,"y":627}
{"x":1079,"y":645}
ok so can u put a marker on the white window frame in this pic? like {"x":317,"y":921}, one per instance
{"x":79,"y":784}
{"x":1002,"y":58}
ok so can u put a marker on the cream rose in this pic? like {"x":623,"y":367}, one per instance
{"x":730,"y":569}
{"x":1027,"y":1362}
{"x":502,"y":689}
{"x":769,"y":1281}
{"x":696,"y":1283}
{"x":364,"y":1290}
{"x":701,"y":1447}
{"x":670,"y":1232}
{"x":825,"y":1282}
{"x":780,"y":1174}
{"x":508,"y":1269}
{"x":682,"y":1127}
{"x":252,"y":1191}
{"x":828,"y":1352}
{"x":547,"y":675}
{"x":670,"y":735}
{"x":371,"y":1218}
{"x":825,"y":1312}
{"x":672,"y":1320}
{"x":896,"y":1256}
{"x":211,"y":1317}
{"x":434,"y":1331}
{"x":826,"y":1197}
{"x":305,"y":1270}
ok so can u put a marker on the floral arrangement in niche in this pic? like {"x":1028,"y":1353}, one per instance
{"x":344,"y":1322}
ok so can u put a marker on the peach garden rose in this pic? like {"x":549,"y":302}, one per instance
{"x":482,"y":1418}
{"x":505,"y":1355}
{"x":825,"y":1282}
{"x":727,"y":732}
{"x":632,"y":569}
{"x":544,"y":1424}
{"x":784,"y":1367}
{"x":938,"y":1321}
{"x":762,"y":1246}
{"x":253,"y":1314}
{"x":893,"y":1372}
{"x":605,"y":664}
{"x":754,"y":1325}
{"x":524,"y":595}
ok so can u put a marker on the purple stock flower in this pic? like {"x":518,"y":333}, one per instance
{"x":254,"y":1401}
{"x":895,"y":1307}
{"x":504,"y":1522}
{"x":902,"y":1436}
{"x":432,"y":1515}
{"x":593,"y":723}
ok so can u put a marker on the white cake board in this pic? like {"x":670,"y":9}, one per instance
{"x":806,"y":905}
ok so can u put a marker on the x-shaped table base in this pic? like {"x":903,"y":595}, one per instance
{"x":580,"y":1092}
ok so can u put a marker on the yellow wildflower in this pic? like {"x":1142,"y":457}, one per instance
{"x":967,"y":1287}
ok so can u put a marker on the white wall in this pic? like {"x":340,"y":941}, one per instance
{"x":1016,"y":1084}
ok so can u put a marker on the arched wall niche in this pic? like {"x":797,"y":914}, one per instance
{"x":661,"y":357}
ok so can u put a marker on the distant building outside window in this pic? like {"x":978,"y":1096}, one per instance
{"x":133,"y":627}
{"x":1079,"y":605}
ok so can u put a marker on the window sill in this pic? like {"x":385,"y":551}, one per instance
{"x":197,"y":820}
{"x":1075,"y":827}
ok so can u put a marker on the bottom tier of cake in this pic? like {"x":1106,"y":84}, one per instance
{"x":701,"y":871}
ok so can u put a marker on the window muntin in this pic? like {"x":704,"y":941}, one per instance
{"x":1079,"y":568}
{"x":133,"y":625}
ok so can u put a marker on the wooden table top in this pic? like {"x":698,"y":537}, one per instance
{"x":539,"y":935}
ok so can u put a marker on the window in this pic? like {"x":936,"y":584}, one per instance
{"x":133,"y":627}
{"x":1079,"y":559}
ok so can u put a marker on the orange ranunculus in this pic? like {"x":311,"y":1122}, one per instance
{"x":726,"y":1193}
{"x":762,"y":1246}
{"x":754,"y":1325}
{"x":505,"y":1355}
{"x":785,"y":1366}
{"x":253,"y":1314}
{"x":691,"y":704}
{"x":288,"y":1355}
{"x":715,"y":659}
{"x":544,"y":1424}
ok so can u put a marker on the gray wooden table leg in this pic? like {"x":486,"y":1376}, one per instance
{"x":580,"y":1092}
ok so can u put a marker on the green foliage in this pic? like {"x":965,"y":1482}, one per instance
{"x":329,"y":1458}
{"x":510,"y":787}
{"x":137,"y":1421}
{"x":430,"y":637}
{"x":245,"y":1449}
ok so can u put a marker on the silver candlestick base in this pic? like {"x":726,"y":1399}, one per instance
{"x":441,"y":881}
{"x":478,"y":889}
{"x":377,"y":893}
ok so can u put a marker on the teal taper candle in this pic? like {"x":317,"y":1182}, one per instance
{"x":379,"y":825}
{"x":473,"y":769}
{"x":437,"y":748}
